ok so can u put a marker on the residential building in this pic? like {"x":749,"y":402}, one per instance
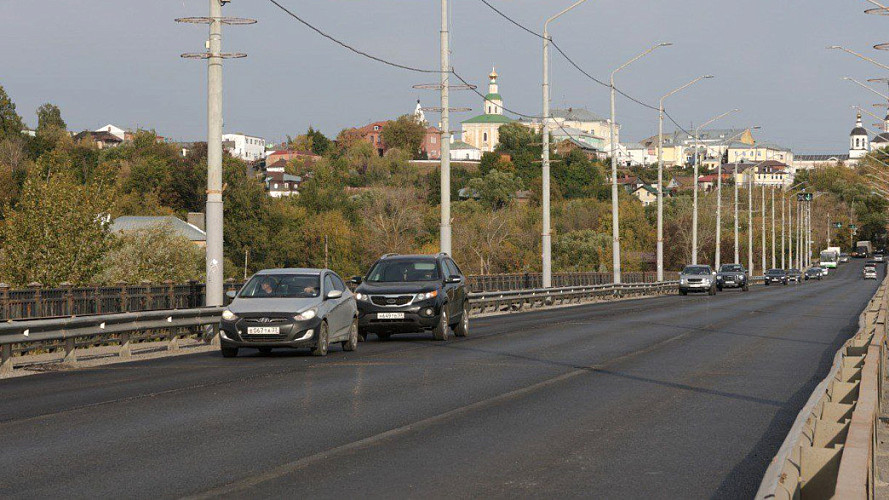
{"x":245,"y":147}
{"x":483,"y":131}
{"x":808,"y":162}
{"x":460,"y":151}
{"x":768,"y":173}
{"x":637,"y":154}
{"x":572,"y":137}
{"x":739,"y":151}
{"x":113,"y":130}
{"x":278,"y":184}
{"x":710,"y":181}
{"x":646,"y":194}
{"x":285,"y":155}
{"x":175,"y":225}
{"x":102,"y":140}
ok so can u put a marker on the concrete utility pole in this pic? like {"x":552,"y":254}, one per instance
{"x":213,"y":218}
{"x":445,"y":149}
{"x":737,"y":253}
{"x":763,"y":217}
{"x":773,"y":227}
{"x":694,"y":216}
{"x":546,"y":235}
{"x":718,"y":261}
{"x":790,"y":234}
{"x":615,"y":205}
{"x":660,"y":177}
{"x":750,"y":223}
{"x":783,"y":228}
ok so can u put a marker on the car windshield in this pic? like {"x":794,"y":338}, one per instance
{"x":731,"y":268}
{"x":794,"y":270}
{"x":391,"y":271}
{"x":773,"y":272}
{"x":281,"y":286}
{"x":695,"y":270}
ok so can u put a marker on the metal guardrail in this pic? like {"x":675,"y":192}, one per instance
{"x":35,"y":301}
{"x":125,"y":329}
{"x":829,"y":451}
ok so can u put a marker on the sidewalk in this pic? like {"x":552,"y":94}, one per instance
{"x":881,"y":453}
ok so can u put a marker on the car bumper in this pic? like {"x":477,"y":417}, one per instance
{"x":732,"y":284}
{"x":292,"y":334}
{"x":695,"y":287}
{"x":417,"y":317}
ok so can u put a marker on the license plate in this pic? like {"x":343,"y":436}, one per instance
{"x":390,"y":315}
{"x":264,"y":330}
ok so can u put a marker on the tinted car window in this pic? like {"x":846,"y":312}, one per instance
{"x":299,"y":286}
{"x":404,"y":270}
{"x":328,"y":284}
{"x":456,"y":267}
{"x":450,"y":268}
{"x":775,"y":272}
{"x":731,"y":268}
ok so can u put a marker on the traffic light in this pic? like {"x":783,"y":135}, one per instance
{"x":805,"y":196}
{"x":838,"y":225}
{"x":852,"y":226}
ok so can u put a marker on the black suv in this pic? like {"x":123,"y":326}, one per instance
{"x":412,"y":293}
{"x":732,"y":276}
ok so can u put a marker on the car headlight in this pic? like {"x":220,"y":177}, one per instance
{"x":427,"y":295}
{"x":307,"y":314}
{"x":684,"y":281}
{"x":229,"y":316}
{"x":707,"y":281}
{"x":362,"y":296}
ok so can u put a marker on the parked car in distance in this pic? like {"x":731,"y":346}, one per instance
{"x":697,"y":279}
{"x":844,"y":257}
{"x":776,"y":276}
{"x":732,"y":276}
{"x":814,"y":273}
{"x":290,"y":308}
{"x":794,"y":275}
{"x":413,"y":293}
{"x":878,"y":257}
{"x":870,"y":273}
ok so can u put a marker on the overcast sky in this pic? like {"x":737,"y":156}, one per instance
{"x":105,"y":61}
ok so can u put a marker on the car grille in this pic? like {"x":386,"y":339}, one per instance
{"x":262,"y":338}
{"x":391,"y":300}
{"x":695,"y":280}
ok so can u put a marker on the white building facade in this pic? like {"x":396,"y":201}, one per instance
{"x":245,"y":147}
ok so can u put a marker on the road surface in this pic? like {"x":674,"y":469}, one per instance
{"x":668,"y":397}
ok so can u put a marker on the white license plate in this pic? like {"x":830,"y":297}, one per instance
{"x":390,"y":315}
{"x":264,"y":330}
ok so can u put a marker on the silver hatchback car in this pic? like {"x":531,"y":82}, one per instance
{"x":290,"y":308}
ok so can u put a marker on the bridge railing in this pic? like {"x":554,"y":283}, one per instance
{"x":124,"y":330}
{"x":829,"y":451}
{"x":35,"y":301}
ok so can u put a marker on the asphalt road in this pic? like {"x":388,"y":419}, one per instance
{"x":669,"y":397}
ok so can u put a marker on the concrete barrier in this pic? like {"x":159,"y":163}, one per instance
{"x":829,"y":451}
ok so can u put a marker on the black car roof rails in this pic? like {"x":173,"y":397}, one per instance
{"x":393,"y":254}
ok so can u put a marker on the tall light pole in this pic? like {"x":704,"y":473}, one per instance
{"x":660,"y":176}
{"x":867,"y":87}
{"x":214,"y":216}
{"x":763,"y":217}
{"x":773,"y":225}
{"x":546,"y":235}
{"x":750,"y":222}
{"x":615,"y":206}
{"x":783,"y":227}
{"x":718,"y":260}
{"x":856,"y":54}
{"x":445,"y":149}
{"x":694,"y":217}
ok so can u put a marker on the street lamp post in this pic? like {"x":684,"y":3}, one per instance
{"x":615,"y":206}
{"x":660,"y":176}
{"x":694,"y":217}
{"x":718,"y":259}
{"x":773,"y":225}
{"x":763,"y":217}
{"x":546,"y":235}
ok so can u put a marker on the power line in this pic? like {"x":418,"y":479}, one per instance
{"x":349,"y":47}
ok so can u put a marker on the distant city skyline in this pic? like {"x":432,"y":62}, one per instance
{"x":769,"y":58}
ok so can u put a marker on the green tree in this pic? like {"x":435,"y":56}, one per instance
{"x":522,"y":144}
{"x":57,"y":232}
{"x":49,"y":117}
{"x":153,"y":254}
{"x":11,"y":124}
{"x":320,"y":143}
{"x":496,"y":189}
{"x":404,"y":134}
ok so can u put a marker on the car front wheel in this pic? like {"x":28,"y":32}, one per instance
{"x":440,"y":332}
{"x":352,"y":343}
{"x":323,"y":341}
{"x":462,"y":329}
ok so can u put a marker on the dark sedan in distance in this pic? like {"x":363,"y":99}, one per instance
{"x":794,"y":275}
{"x":776,"y":276}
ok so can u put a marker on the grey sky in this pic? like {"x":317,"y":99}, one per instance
{"x":107,"y":61}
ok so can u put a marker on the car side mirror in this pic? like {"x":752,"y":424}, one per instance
{"x":334,"y":294}
{"x":231,"y":294}
{"x":454,"y":278}
{"x":356,"y":280}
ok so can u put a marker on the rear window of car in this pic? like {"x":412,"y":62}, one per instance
{"x":291,"y":286}
{"x":392,"y":271}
